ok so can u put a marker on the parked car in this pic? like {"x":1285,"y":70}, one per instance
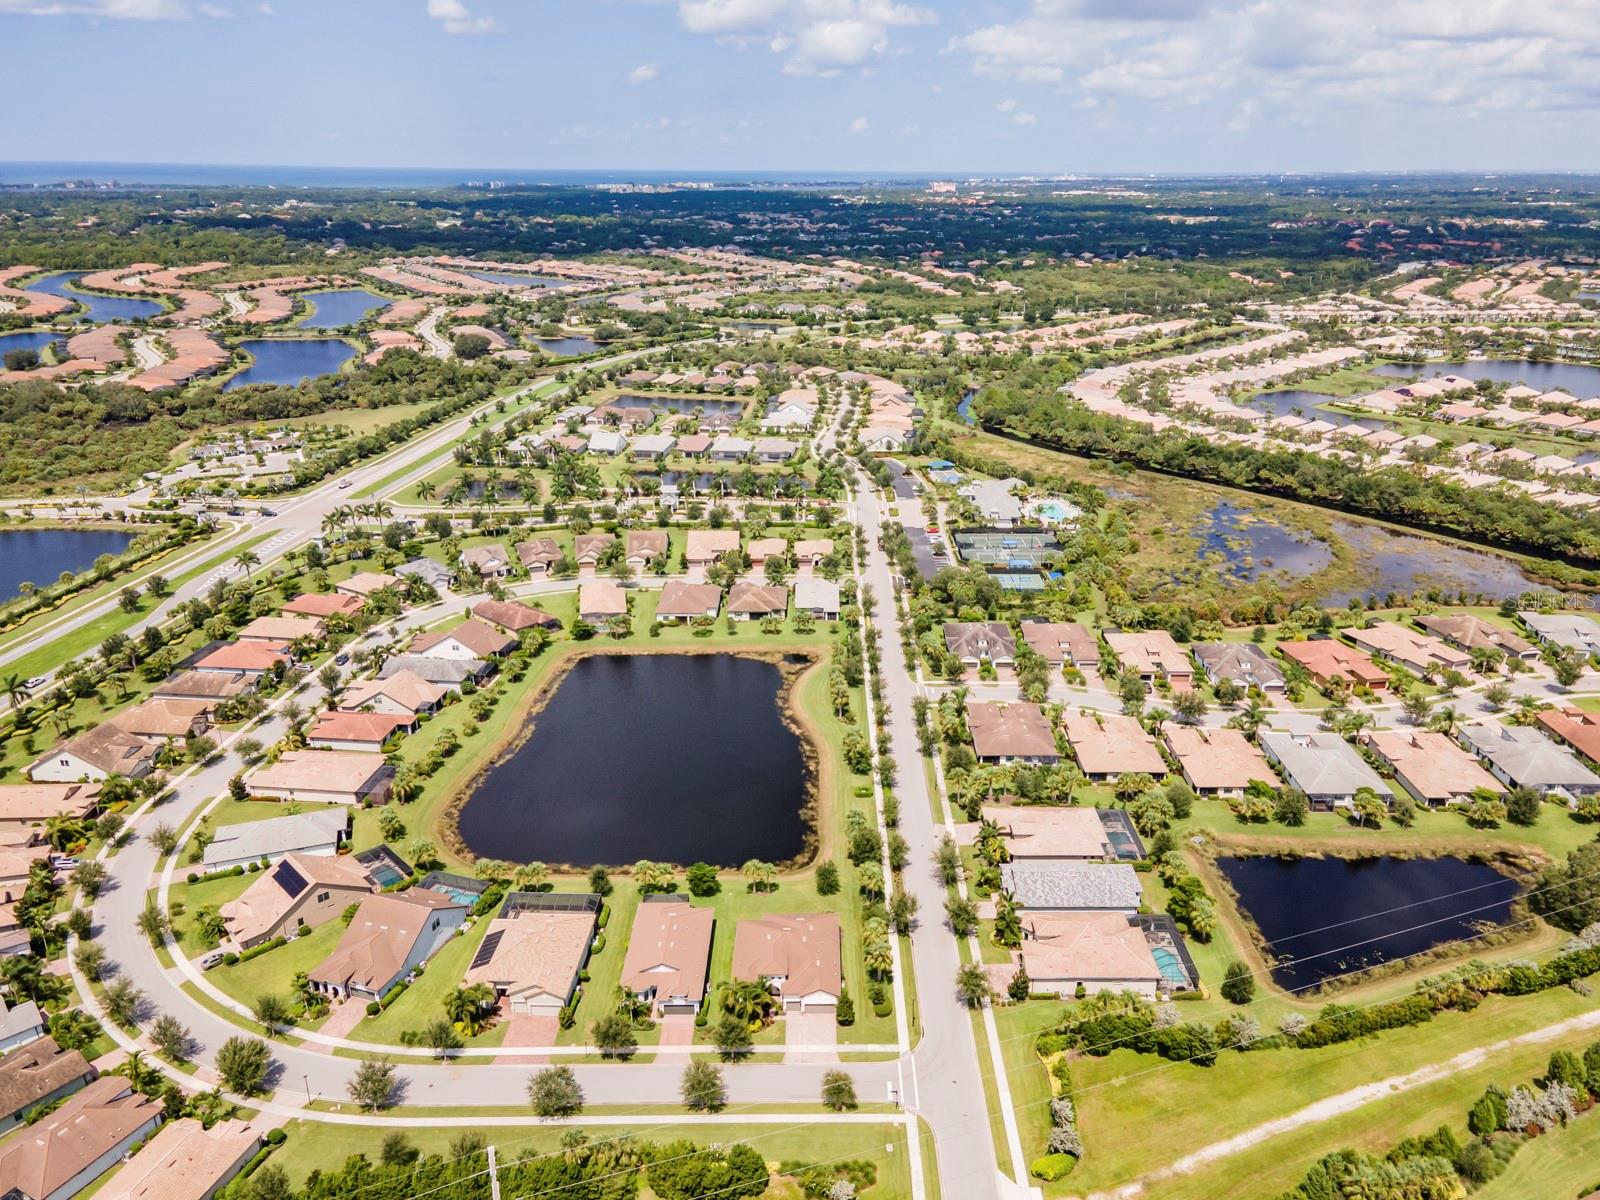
{"x":341,"y":659}
{"x":211,"y":959}
{"x":38,"y":681}
{"x":63,"y":862}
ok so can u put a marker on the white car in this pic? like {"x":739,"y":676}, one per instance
{"x":210,"y":959}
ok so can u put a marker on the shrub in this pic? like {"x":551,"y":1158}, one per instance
{"x":1239,"y":984}
{"x":373,"y":1008}
{"x":1051,"y":1167}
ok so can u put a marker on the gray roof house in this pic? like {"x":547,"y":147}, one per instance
{"x":1243,"y":662}
{"x":1324,"y":766}
{"x":316,"y":831}
{"x":1072,"y":886}
{"x":428,"y":571}
{"x":1568,"y":630}
{"x":1520,"y":755}
{"x":973,"y":641}
{"x":447,"y":672}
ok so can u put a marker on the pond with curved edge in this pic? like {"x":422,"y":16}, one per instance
{"x":336,"y":308}
{"x":566,"y":347}
{"x":288,"y":361}
{"x":28,"y":339}
{"x":671,"y":757}
{"x":1323,"y":917}
{"x":40,"y":555}
{"x":1582,"y":381}
{"x":94,"y":307}
{"x":517,"y":279}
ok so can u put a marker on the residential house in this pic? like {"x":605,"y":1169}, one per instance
{"x":600,"y":600}
{"x":1010,"y":732}
{"x":302,"y":890}
{"x":693,"y":445}
{"x":774,"y":450}
{"x":761,"y":549}
{"x":514,"y":616}
{"x":682,"y":601}
{"x":361,"y":731}
{"x":534,"y":950}
{"x":1421,"y":653}
{"x":749,"y":601}
{"x":974,"y":641}
{"x":214,"y":686}
{"x":279,"y":631}
{"x":1062,"y":642}
{"x":20,"y":1024}
{"x":322,"y":605}
{"x":1521,"y":756}
{"x":390,"y":935}
{"x":317,"y":831}
{"x":1153,"y":656}
{"x":797,"y":955}
{"x":1469,"y":632}
{"x":365,"y":584}
{"x":589,"y":549}
{"x":1324,"y":766}
{"x":1217,"y":762}
{"x":406,"y":693}
{"x":1430,"y":766}
{"x":324,"y":776}
{"x":646,"y":548}
{"x":1111,"y":744}
{"x":608,"y":442}
{"x":444,"y":672}
{"x":1245,"y":663}
{"x":1575,"y":727}
{"x":95,"y":754}
{"x":1068,"y":886}
{"x":161,"y":721}
{"x":539,"y":555}
{"x":253,"y":659}
{"x":1564,"y":631}
{"x":669,"y":954}
{"x":25,"y":804}
{"x":1049,"y":832}
{"x":38,"y":1073}
{"x":819,"y":597}
{"x":809,"y":553}
{"x":487,"y":562}
{"x":653,"y":445}
{"x":728,"y":448}
{"x":435,"y":574}
{"x":1328,"y":661}
{"x":704,"y":546}
{"x":61,"y":1155}
{"x":185,"y":1161}
{"x":472,"y":639}
{"x":1063,"y":952}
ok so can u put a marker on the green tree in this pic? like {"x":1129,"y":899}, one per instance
{"x":554,"y":1092}
{"x":703,"y":1087}
{"x":1238,"y":983}
{"x":838,"y":1091}
{"x":243,"y":1063}
{"x":373,"y":1085}
{"x":613,"y":1036}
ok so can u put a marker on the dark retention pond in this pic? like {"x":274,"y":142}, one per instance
{"x":95,"y":307}
{"x":288,"y":361}
{"x":671,"y":757}
{"x":40,"y":555}
{"x":1323,"y":917}
{"x":1581,"y":381}
{"x":566,"y":347}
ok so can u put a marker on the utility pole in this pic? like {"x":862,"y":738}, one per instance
{"x":494,"y":1177}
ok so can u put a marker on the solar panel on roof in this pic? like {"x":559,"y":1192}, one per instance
{"x":290,"y":880}
{"x":486,"y":949}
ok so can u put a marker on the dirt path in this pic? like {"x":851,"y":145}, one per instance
{"x":1344,"y":1102}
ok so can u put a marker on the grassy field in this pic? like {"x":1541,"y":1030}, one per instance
{"x":274,"y":971}
{"x":319,"y":1146}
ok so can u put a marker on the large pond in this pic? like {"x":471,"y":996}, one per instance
{"x":1546,"y":376}
{"x":1323,"y":917}
{"x":1247,"y":546}
{"x":1404,"y":563}
{"x":516,"y":279}
{"x":1296,"y":402}
{"x":31,"y":339}
{"x":288,"y":361}
{"x":671,"y":757}
{"x":94,"y":307}
{"x":566,"y":347}
{"x":40,"y":555}
{"x":677,"y":404}
{"x":340,"y":307}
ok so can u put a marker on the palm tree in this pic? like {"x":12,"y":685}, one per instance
{"x":426,"y":492}
{"x":1444,"y":719}
{"x":16,"y":689}
{"x":762,"y":876}
{"x":529,"y":877}
{"x":748,"y":999}
{"x":248,"y":560}
{"x":467,"y":1006}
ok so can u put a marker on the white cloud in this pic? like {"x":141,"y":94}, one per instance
{"x":215,"y":11}
{"x":116,"y":10}
{"x":817,"y":37}
{"x":860,"y":125}
{"x":453,"y":16}
{"x":1024,"y":118}
{"x":643,"y":73}
{"x":1302,"y":60}
{"x":1006,"y":105}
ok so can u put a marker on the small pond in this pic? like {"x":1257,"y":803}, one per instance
{"x":1407,"y":562}
{"x":40,"y":555}
{"x":1323,"y":917}
{"x":1581,"y":381}
{"x":94,"y":307}
{"x":288,"y":361}
{"x":517,"y":279}
{"x":566,"y":347}
{"x":1296,"y":402}
{"x":671,"y":757}
{"x":30,"y":339}
{"x":340,"y":307}
{"x":964,"y":409}
{"x":1248,"y":546}
{"x":677,"y":404}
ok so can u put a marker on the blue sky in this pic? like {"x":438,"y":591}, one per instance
{"x":1048,"y":86}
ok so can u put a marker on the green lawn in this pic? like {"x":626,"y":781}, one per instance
{"x":423,"y":1001}
{"x":195,"y":896}
{"x":1561,"y":1165}
{"x":275,"y":970}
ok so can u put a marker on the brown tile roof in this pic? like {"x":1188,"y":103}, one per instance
{"x":1015,"y":729}
{"x":539,"y":550}
{"x":94,"y":1120}
{"x":367,"y":582}
{"x":29,"y":1074}
{"x":1217,"y":758}
{"x":1050,"y":831}
{"x":484,"y":641}
{"x":282,"y":629}
{"x":680,"y":599}
{"x":1086,"y":946}
{"x":325,"y":604}
{"x":509,"y":614}
{"x":669,"y":949}
{"x":184,"y":1161}
{"x":1112,"y":744}
{"x":706,"y":545}
{"x":406,"y":688}
{"x":1327,"y":659}
{"x":245,"y":656}
{"x":162,"y":718}
{"x":1576,"y":728}
{"x":213,"y":685}
{"x":537,"y":952}
{"x":318,"y":770}
{"x":266,"y":901}
{"x":646,"y":543}
{"x":107,"y":748}
{"x":758,"y":599}
{"x":802,"y":948}
{"x":380,"y":937}
{"x":33,"y":802}
{"x":1432,"y":763}
{"x":602,"y":598}
{"x":1061,"y":641}
{"x":372,"y":728}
